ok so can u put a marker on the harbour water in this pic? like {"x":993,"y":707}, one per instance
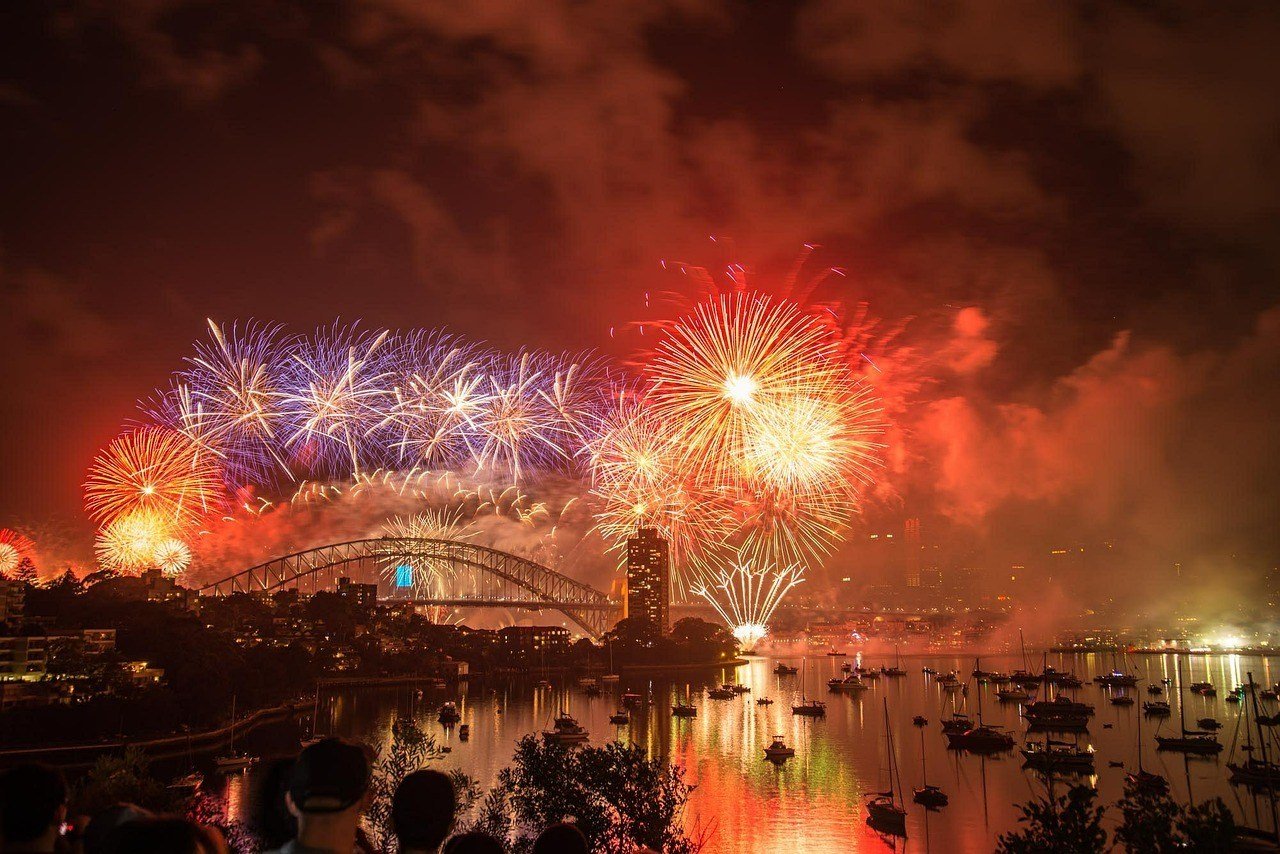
{"x":815,"y":801}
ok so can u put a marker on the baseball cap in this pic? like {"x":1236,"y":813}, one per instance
{"x":329,"y":776}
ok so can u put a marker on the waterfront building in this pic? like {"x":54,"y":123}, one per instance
{"x":536,"y":642}
{"x":649,"y":579}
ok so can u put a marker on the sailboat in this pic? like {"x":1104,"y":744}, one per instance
{"x":1023,"y":675}
{"x":1254,"y":772}
{"x":233,"y":761}
{"x":1142,"y":780}
{"x":1191,"y":741}
{"x":190,"y":782}
{"x":315,"y":722}
{"x":896,"y":670}
{"x":610,"y":676}
{"x":885,"y":812}
{"x":809,"y":708}
{"x":981,"y":738}
{"x":930,"y":797}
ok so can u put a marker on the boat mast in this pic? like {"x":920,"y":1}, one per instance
{"x":1266,"y":764}
{"x":1182,"y":718}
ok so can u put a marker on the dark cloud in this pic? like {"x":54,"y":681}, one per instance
{"x":1073,"y":203}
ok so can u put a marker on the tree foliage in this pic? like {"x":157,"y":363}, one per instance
{"x":617,"y":796}
{"x":1152,"y":821}
{"x":1069,"y":824}
{"x":411,"y":749}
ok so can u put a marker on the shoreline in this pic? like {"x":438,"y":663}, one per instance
{"x":159,"y":748}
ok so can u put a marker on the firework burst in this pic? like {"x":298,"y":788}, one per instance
{"x":416,"y":566}
{"x":172,"y":556}
{"x":131,"y":541}
{"x":156,"y":471}
{"x":14,"y":548}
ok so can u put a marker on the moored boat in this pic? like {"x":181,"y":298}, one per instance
{"x":565,"y":730}
{"x":778,"y":750}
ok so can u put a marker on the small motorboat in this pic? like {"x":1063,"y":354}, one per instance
{"x":1157,"y":709}
{"x":449,"y":714}
{"x":565,"y":730}
{"x":684,"y":710}
{"x":236,"y":761}
{"x":785,"y":670}
{"x":1231,"y":698}
{"x":542,"y":685}
{"x":847,"y":667}
{"x":1012,"y":695}
{"x":778,"y":750}
{"x":738,"y":688}
{"x":920,"y":720}
{"x":928,"y":671}
{"x":956,"y":723}
{"x":837,"y":653}
{"x":631,"y":699}
{"x":1155,"y":690}
{"x":594,"y":690}
{"x":930,"y":797}
{"x":1210,"y":724}
{"x":1122,"y":700}
{"x":1115,"y":763}
{"x":610,"y":677}
{"x":764,"y":701}
{"x":721,"y":693}
{"x":620,"y":717}
{"x":464,"y":732}
{"x":187,"y":784}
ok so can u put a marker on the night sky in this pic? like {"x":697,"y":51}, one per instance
{"x":1070,"y":210}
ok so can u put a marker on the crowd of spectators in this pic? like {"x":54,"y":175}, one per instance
{"x":313,"y":804}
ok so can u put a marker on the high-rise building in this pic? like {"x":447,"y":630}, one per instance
{"x":649,"y":579}
{"x":911,"y":536}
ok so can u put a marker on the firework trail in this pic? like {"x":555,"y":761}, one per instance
{"x":746,"y":594}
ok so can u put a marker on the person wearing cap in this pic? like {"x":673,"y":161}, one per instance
{"x":327,"y":790}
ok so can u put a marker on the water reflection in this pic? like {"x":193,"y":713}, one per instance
{"x":814,"y":801}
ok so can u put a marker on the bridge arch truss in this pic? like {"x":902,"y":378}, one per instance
{"x":510,"y":581}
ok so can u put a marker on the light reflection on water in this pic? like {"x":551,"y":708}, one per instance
{"x":815,"y":801}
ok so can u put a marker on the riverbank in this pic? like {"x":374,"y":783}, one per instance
{"x":696,"y":667}
{"x":164,"y":747}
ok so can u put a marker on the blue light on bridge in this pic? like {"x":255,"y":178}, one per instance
{"x":404,"y":575}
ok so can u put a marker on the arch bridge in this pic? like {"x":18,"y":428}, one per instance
{"x":496,"y":578}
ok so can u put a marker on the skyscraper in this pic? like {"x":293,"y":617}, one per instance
{"x":649,"y":579}
{"x":911,"y":536}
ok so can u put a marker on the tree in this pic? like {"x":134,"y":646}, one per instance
{"x":26,"y":572}
{"x":703,"y":641}
{"x":1064,"y":825}
{"x":1152,"y":821}
{"x":123,"y":778}
{"x":411,"y":749}
{"x":618,"y":797}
